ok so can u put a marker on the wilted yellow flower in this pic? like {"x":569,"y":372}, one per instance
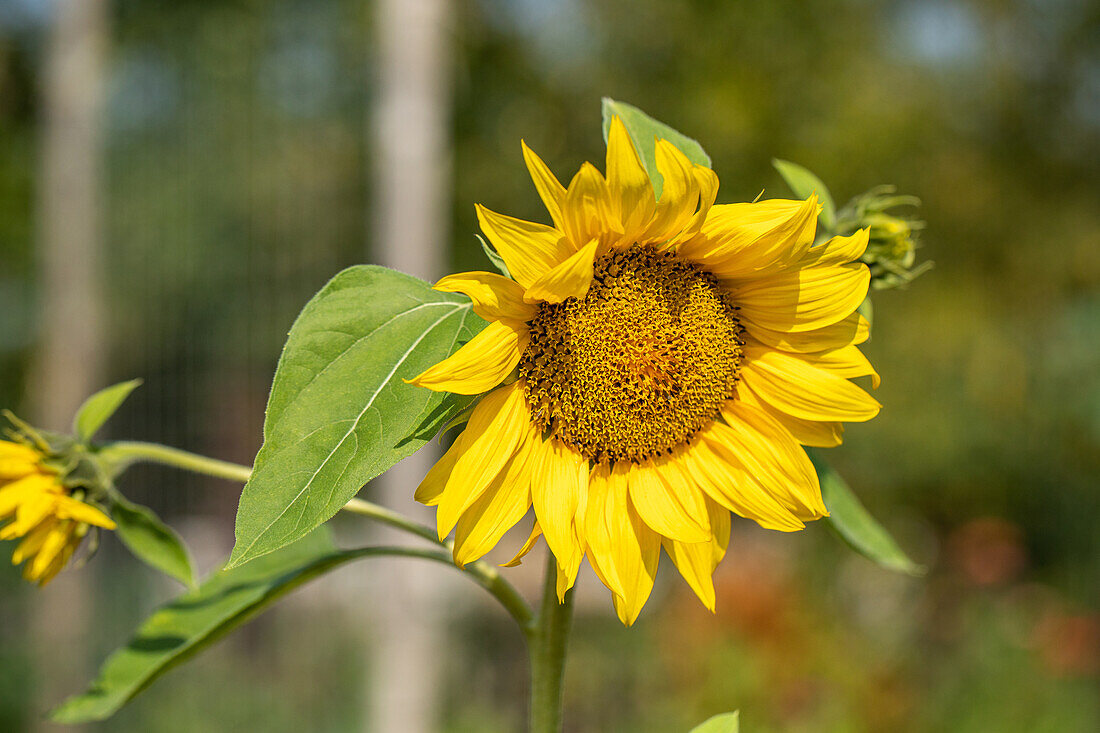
{"x":37,"y":507}
{"x":654,"y":364}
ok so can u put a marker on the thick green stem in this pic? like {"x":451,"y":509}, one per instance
{"x":122,"y":454}
{"x":547,"y":643}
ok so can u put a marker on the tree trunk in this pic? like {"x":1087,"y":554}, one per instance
{"x":68,"y":364}
{"x":410,"y":142}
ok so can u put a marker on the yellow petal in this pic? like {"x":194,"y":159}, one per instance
{"x":481,"y":364}
{"x":495,"y":297}
{"x":16,"y":461}
{"x":598,"y":520}
{"x":496,"y":427}
{"x":629,"y":188}
{"x":29,"y":514}
{"x":32,"y":542}
{"x":536,"y":532}
{"x":803,"y":300}
{"x":801,"y":389}
{"x":707,"y":183}
{"x":751,"y":240}
{"x":806,"y":432}
{"x":566,"y":577}
{"x":558,"y":480}
{"x":12,"y":468}
{"x":695,"y":561}
{"x":720,"y":473}
{"x":679,"y":194}
{"x":496,"y":511}
{"x":773,"y":457}
{"x":69,"y":508}
{"x":550,"y":189}
{"x":528,"y":249}
{"x":848,"y":362}
{"x":431,"y":488}
{"x":17,"y":451}
{"x":668,"y":504}
{"x":14,"y":494}
{"x":635,"y":549}
{"x":852,"y":330}
{"x":58,"y":564}
{"x":570,"y":279}
{"x":720,"y":530}
{"x":587,"y":211}
{"x":51,"y":549}
{"x":836,"y":251}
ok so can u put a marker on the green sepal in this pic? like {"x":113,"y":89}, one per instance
{"x":804,"y":183}
{"x":191,"y":623}
{"x":644,"y":132}
{"x":725,"y":723}
{"x":855,"y":525}
{"x":867,"y":310}
{"x":98,"y":408}
{"x":340,"y":411}
{"x":494,"y":256}
{"x":151,"y":540}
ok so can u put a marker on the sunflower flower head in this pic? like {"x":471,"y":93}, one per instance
{"x":651,"y":366}
{"x":50,"y":519}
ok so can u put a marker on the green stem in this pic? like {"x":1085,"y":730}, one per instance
{"x":547,"y":643}
{"x":123,"y":454}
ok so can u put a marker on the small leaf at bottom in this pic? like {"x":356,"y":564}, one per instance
{"x":725,"y":723}
{"x":152,"y":541}
{"x":856,"y":526}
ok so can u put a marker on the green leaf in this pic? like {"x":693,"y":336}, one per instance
{"x":195,"y":620}
{"x":725,"y":723}
{"x":803,"y":183}
{"x":496,"y":259}
{"x":644,"y":132}
{"x":98,"y":408}
{"x":152,"y":541}
{"x":855,"y":525}
{"x":339,"y":412}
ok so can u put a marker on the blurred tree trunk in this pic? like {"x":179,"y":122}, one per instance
{"x":68,"y":364}
{"x":410,"y":141}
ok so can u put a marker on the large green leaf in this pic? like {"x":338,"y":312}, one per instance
{"x":855,"y":525}
{"x":725,"y":723}
{"x":194,"y":621}
{"x":340,"y":412}
{"x":98,"y":408}
{"x":644,"y":131}
{"x":152,"y":541}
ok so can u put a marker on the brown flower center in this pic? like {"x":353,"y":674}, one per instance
{"x":638,"y":365}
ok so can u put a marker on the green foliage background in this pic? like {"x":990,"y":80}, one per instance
{"x":237,"y":182}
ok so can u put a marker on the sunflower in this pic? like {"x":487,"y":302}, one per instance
{"x":41,"y":510}
{"x":651,"y":365}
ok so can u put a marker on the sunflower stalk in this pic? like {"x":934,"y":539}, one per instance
{"x":119,"y":456}
{"x":547,"y":642}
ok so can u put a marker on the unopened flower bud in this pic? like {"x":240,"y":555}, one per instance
{"x":892,"y":246}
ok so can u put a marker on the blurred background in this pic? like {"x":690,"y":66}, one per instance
{"x":177,"y":179}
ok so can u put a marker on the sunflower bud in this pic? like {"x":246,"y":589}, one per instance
{"x":50,"y":498}
{"x":892,"y":247}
